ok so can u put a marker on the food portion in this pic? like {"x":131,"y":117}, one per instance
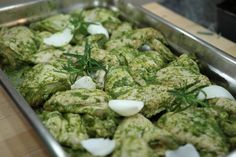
{"x":103,"y":87}
{"x":41,"y":82}
{"x":92,"y":101}
{"x":68,"y":128}
{"x":195,"y":127}
{"x":17,"y":45}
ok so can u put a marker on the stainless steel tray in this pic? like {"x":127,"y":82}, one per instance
{"x":218,"y":65}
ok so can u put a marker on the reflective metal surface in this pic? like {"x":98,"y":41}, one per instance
{"x":49,"y":142}
{"x":219,"y":66}
{"x":20,"y":11}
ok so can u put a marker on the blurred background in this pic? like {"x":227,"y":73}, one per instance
{"x":216,"y":15}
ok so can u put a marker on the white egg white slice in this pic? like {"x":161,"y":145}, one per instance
{"x":214,"y":91}
{"x":126,"y":107}
{"x":84,"y":82}
{"x":187,"y":150}
{"x":59,"y":39}
{"x":99,"y":146}
{"x":97,"y":29}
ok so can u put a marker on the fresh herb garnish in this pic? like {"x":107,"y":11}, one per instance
{"x":79,"y":23}
{"x":81,"y":64}
{"x":186,"y":97}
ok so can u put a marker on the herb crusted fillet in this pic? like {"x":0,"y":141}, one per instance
{"x":52,"y":24}
{"x":68,"y":129}
{"x":139,"y":134}
{"x":92,"y":101}
{"x":155,"y":98}
{"x":196,"y":127}
{"x":41,"y":82}
{"x":17,"y":45}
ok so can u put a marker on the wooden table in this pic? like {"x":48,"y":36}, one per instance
{"x":18,"y":139}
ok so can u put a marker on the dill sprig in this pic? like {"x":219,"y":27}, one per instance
{"x":82,"y":64}
{"x":186,"y":97}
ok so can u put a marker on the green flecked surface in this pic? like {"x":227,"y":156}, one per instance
{"x":142,"y":138}
{"x":179,"y":76}
{"x":17,"y":45}
{"x":136,"y":38}
{"x":118,"y":77}
{"x":155,"y":98}
{"x":100,"y":127}
{"x":196,"y":127}
{"x":52,"y":24}
{"x":41,"y":82}
{"x":83,"y":101}
{"x":68,"y":129}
